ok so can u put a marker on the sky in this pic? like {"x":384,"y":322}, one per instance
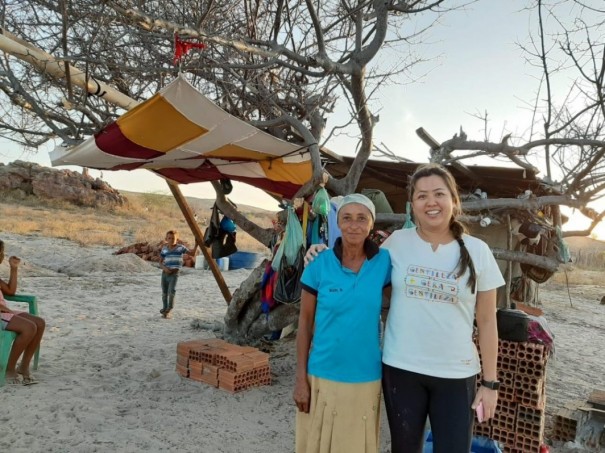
{"x":474,"y":66}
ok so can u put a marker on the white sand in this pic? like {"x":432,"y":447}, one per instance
{"x":107,"y":362}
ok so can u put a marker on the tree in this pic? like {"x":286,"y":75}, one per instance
{"x":566,"y":137}
{"x":282,"y":65}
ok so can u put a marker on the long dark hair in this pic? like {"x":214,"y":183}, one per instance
{"x":457,"y":228}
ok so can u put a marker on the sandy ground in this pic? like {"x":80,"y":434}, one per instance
{"x":107,"y":362}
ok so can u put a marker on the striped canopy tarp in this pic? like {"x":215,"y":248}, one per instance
{"x":184,"y":137}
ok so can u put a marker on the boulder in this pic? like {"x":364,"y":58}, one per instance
{"x":43,"y":182}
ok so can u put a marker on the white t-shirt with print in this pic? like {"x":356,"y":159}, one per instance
{"x":430,"y":322}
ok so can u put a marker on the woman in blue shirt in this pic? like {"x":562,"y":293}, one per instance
{"x":338,"y":371}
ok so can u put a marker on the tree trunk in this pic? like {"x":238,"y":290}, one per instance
{"x":245,"y":323}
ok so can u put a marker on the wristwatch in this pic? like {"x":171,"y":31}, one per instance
{"x":493,"y":385}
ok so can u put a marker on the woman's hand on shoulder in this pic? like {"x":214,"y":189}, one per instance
{"x":302,"y":395}
{"x":313,"y":251}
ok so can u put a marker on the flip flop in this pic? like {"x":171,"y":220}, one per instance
{"x":13,"y":381}
{"x":29,"y":380}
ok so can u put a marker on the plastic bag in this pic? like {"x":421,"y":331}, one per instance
{"x":539,"y":332}
{"x":213,"y":230}
{"x":228,"y":225}
{"x":288,"y":288}
{"x":292,"y":242}
{"x":321,"y":202}
{"x":223,"y":245}
{"x":409,"y":223}
{"x":564,"y":255}
{"x":220,"y":240}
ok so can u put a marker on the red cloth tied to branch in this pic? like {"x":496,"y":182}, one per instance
{"x":181,"y":48}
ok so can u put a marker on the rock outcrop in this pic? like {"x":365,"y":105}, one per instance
{"x":33,"y":179}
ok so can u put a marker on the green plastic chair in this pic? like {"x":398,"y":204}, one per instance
{"x":7,"y":338}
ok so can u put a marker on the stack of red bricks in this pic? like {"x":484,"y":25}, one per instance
{"x":224,"y":365}
{"x":520,"y":416}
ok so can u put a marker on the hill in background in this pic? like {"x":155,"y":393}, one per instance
{"x":586,"y":252}
{"x":202,"y":204}
{"x":66,"y":204}
{"x":145,"y":217}
{"x":585,"y":243}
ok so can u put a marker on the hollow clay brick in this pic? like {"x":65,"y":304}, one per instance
{"x":564,"y":428}
{"x":527,"y":444}
{"x":182,"y":359}
{"x":483,"y":429}
{"x":181,"y":370}
{"x":506,"y":438}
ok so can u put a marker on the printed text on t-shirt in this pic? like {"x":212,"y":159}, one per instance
{"x":431,"y":284}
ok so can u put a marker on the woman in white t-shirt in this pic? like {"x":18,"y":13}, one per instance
{"x":442,"y":279}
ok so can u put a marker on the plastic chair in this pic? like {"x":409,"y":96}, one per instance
{"x":7,"y":338}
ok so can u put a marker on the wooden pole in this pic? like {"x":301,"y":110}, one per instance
{"x":509,"y":264}
{"x":199,"y":239}
{"x":48,"y":64}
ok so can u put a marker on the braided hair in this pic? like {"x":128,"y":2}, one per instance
{"x":457,"y":228}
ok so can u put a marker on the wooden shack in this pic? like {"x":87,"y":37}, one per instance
{"x":499,"y":203}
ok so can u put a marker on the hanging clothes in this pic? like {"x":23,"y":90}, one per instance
{"x":267,"y":287}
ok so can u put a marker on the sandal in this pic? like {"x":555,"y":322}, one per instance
{"x":13,"y":380}
{"x":29,"y":380}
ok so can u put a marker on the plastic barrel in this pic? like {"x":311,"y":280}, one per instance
{"x":244,"y":260}
{"x":222,"y":263}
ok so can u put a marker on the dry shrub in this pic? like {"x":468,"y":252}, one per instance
{"x":247,"y":243}
{"x":156,"y":230}
{"x":151,"y":205}
{"x":590,"y":259}
{"x":576,"y":276}
{"x":109,"y":238}
{"x":24,"y":227}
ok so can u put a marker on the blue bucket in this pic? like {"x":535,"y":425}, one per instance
{"x":244,"y":260}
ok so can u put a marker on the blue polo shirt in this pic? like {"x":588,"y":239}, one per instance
{"x":346,"y":342}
